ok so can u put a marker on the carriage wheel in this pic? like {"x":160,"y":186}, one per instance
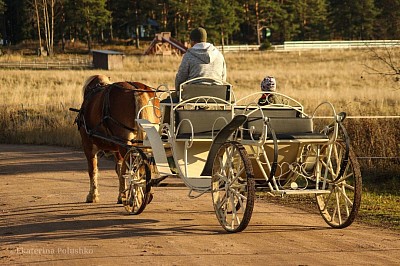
{"x":339,"y":208}
{"x":137,"y":175}
{"x":233,"y":187}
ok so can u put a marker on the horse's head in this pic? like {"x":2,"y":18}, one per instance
{"x":93,"y":82}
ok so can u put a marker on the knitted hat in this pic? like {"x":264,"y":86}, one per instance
{"x":268,"y":84}
{"x":198,"y":35}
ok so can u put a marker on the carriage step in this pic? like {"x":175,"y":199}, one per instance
{"x":193,"y":182}
{"x":173,"y":181}
{"x":171,"y":184}
{"x":155,"y":182}
{"x":300,"y":191}
{"x":291,"y":191}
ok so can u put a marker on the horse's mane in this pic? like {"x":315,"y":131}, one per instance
{"x":101,"y":80}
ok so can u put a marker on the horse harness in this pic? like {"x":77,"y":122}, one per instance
{"x":106,"y":111}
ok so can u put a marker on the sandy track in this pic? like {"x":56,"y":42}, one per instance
{"x":44,"y":220}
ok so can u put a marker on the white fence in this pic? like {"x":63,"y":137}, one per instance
{"x":238,"y":48}
{"x":298,"y":45}
{"x":302,"y":45}
{"x":71,"y":64}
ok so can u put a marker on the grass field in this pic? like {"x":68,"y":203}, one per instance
{"x":34,"y":104}
{"x":314,"y":76}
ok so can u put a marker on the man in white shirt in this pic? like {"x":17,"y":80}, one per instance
{"x":202,"y":60}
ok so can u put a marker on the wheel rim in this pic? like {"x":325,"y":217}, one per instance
{"x":233,"y":187}
{"x":339,"y":208}
{"x":136,"y":173}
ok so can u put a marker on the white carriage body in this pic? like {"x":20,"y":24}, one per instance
{"x":286,"y":151}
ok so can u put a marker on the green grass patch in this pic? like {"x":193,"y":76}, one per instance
{"x":380,"y":209}
{"x":380,"y":203}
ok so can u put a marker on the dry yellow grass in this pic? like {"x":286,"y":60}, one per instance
{"x":35,"y":102}
{"x":310,"y":76}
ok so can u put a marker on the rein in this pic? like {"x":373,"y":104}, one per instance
{"x":106,"y":111}
{"x":80,"y":119}
{"x":137,"y":89}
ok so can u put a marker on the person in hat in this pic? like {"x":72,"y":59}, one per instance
{"x":268,"y":85}
{"x":201,"y":60}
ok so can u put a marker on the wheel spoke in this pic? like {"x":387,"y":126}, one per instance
{"x":232,"y":187}
{"x":237,"y":192}
{"x":136,"y":172}
{"x":345,"y":196}
{"x":339,"y":208}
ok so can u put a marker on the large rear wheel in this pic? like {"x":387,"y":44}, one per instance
{"x":340,"y":206}
{"x":233,"y":187}
{"x":136,"y":173}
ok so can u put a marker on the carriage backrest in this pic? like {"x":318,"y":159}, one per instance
{"x":205,"y":123}
{"x":284,"y":125}
{"x":281,"y":125}
{"x":190,"y":90}
{"x":269,"y":111}
{"x":256,"y":115}
{"x":283,"y":120}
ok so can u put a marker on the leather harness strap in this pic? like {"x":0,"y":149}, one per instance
{"x":107,"y":113}
{"x":106,"y":110}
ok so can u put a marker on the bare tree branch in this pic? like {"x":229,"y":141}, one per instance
{"x":389,"y":64}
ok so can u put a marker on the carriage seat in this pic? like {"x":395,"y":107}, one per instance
{"x":200,"y":124}
{"x":285,"y":128}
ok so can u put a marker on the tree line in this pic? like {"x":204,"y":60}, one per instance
{"x":53,"y":22}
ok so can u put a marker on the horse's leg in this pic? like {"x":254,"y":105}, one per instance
{"x":91,"y":156}
{"x":118,"y":169}
{"x":93,"y":195}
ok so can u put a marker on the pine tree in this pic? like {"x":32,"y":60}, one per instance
{"x":17,"y":21}
{"x":223,"y":20}
{"x":2,"y":22}
{"x":88,"y":17}
{"x":387,"y":25}
{"x":352,"y":19}
{"x":312,"y":19}
{"x":2,"y":7}
{"x":187,"y":15}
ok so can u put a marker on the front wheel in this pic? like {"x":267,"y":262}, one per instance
{"x":340,"y":206}
{"x":136,"y":173}
{"x":233,"y":187}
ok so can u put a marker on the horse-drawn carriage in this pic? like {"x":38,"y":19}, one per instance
{"x":228,"y":147}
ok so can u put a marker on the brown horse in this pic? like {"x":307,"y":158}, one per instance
{"x":108,"y":112}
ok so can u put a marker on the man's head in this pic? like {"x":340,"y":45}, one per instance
{"x":198,"y":35}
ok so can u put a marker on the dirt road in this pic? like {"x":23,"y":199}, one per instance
{"x":44,"y":220}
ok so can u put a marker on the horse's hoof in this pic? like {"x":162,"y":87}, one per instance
{"x":92,"y":199}
{"x":119,"y":201}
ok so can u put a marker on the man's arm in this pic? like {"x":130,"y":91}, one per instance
{"x":224,"y":72}
{"x":183,"y":72}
